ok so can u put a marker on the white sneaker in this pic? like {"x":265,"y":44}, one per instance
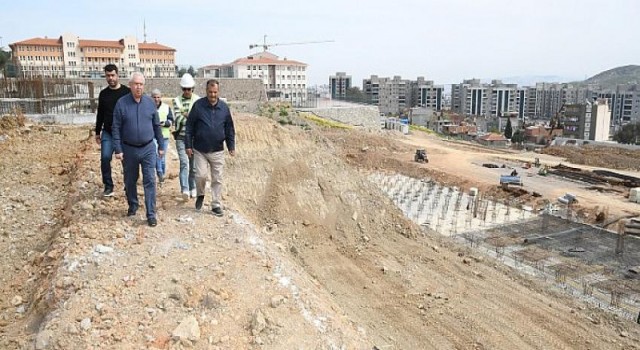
{"x":194,"y":193}
{"x":185,"y":195}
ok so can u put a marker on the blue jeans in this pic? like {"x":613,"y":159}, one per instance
{"x":134,"y":159}
{"x":106,"y":153}
{"x":187,"y":174}
{"x":161,"y":164}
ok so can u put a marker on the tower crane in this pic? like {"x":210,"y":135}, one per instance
{"x":266,"y":46}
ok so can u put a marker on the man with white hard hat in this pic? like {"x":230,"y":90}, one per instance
{"x":181,"y":107}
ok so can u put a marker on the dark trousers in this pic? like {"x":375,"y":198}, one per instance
{"x":134,"y":158}
{"x":106,"y":152}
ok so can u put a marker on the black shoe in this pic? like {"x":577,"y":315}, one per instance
{"x":160,"y":178}
{"x":108,"y":192}
{"x":152,"y":222}
{"x":131,"y":212}
{"x":199,"y":201}
{"x":217,"y":211}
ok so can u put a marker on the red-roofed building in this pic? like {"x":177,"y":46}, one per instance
{"x":283,"y":79}
{"x":72,"y":57}
{"x":493,"y":140}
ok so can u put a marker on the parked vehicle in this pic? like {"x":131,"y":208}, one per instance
{"x":421,"y":156}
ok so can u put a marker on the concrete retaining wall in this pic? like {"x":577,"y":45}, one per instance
{"x":242,"y":94}
{"x":367,"y":117}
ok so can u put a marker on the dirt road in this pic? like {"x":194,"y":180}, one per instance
{"x":466,"y":162}
{"x":309,"y":254}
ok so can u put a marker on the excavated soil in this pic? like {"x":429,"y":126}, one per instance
{"x":309,"y":255}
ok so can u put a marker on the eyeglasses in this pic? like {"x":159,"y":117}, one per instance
{"x":186,"y":89}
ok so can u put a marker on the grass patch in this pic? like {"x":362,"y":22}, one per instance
{"x":325,"y":122}
{"x":421,"y":128}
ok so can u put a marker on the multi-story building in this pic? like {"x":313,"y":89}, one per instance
{"x":71,"y":57}
{"x":526,"y":103}
{"x":472,"y":97}
{"x":589,"y":120}
{"x":283,"y":79}
{"x":395,"y":96}
{"x":501,"y":99}
{"x":625,"y":104}
{"x":550,"y":97}
{"x":469,"y":98}
{"x":429,"y":95}
{"x":371,"y":88}
{"x":339,"y":85}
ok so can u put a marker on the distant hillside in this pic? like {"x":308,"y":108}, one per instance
{"x":609,"y":79}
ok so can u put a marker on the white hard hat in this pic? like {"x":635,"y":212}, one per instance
{"x":187,"y":81}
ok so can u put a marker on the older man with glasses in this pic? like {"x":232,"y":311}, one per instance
{"x":181,"y":107}
{"x":135,"y":126}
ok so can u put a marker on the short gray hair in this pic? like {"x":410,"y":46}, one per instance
{"x":156,"y":92}
{"x":136,"y":74}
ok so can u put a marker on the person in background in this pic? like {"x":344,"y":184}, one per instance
{"x":104,"y":120}
{"x":135,"y":126}
{"x":181,"y":107}
{"x":166,"y":120}
{"x":209,"y":127}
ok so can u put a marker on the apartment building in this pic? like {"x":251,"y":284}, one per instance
{"x":589,"y":120}
{"x":283,"y":79}
{"x":397,"y":96}
{"x":371,"y":88}
{"x":526,"y":102}
{"x":71,"y":57}
{"x":339,"y":84}
{"x":469,"y":97}
{"x":501,"y":99}
{"x":625,"y":104}
{"x":496,"y":99}
{"x":428,"y":94}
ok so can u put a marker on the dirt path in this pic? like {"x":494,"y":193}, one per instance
{"x":310,"y":254}
{"x":466,"y":162}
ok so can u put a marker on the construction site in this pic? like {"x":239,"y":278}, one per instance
{"x":335,"y":236}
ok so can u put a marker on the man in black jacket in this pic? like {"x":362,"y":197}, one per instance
{"x":209,"y":127}
{"x":104,"y":120}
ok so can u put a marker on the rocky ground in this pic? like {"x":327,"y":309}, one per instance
{"x":309,"y":255}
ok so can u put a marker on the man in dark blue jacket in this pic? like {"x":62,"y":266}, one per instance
{"x":135,"y":126}
{"x":209,"y":127}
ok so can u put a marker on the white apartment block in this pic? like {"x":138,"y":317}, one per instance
{"x":283,"y":79}
{"x":71,"y":57}
{"x":497,"y":99}
{"x":429,"y":95}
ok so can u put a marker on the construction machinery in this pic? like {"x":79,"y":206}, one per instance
{"x":265,"y":46}
{"x":421,"y":156}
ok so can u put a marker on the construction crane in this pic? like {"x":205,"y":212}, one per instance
{"x":266,"y":46}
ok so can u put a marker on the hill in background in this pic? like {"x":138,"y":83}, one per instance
{"x":611,"y":78}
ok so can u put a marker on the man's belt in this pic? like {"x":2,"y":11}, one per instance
{"x":137,"y":146}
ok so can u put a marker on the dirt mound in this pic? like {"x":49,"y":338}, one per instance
{"x":598,"y":156}
{"x":12,"y":121}
{"x":310,"y":254}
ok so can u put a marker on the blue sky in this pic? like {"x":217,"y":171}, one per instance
{"x":445,"y":40}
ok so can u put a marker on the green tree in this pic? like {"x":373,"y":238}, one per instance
{"x":5,"y":57}
{"x":518,"y":136}
{"x":181,"y":72}
{"x":191,"y":71}
{"x":508,"y":130}
{"x":355,"y":94}
{"x":629,"y":134}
